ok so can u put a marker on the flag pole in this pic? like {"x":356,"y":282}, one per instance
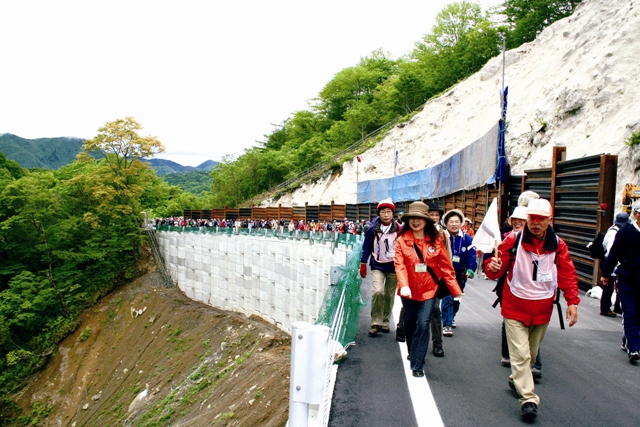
{"x":395,"y":158}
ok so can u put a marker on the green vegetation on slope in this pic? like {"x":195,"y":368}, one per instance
{"x":378,"y":89}
{"x":67,"y":237}
{"x":42,"y":153}
{"x":194,"y":182}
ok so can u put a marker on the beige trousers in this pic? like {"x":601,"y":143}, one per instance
{"x":523,"y":342}
{"x":382,"y":296}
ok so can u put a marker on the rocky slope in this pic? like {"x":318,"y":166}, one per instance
{"x":172,"y":361}
{"x":577,"y":85}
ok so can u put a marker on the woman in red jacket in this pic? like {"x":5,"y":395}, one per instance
{"x":421,"y":261}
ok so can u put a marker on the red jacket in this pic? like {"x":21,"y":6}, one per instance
{"x":535,"y":312}
{"x":422,"y":285}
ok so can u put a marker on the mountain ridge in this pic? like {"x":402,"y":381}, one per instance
{"x":54,"y":153}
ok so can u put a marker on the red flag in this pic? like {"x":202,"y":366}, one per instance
{"x":359,"y":159}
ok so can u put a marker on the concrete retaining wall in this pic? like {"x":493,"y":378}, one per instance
{"x":281,"y":280}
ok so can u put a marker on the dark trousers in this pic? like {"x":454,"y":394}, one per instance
{"x":436,"y":325}
{"x":416,"y":322}
{"x":629,"y":302}
{"x":607,"y":291}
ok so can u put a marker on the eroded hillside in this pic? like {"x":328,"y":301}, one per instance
{"x":575,"y":86}
{"x":147,"y":355}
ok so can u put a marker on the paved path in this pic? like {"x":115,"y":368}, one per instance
{"x":587,"y":380}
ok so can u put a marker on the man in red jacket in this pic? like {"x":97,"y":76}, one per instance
{"x":541,"y":265}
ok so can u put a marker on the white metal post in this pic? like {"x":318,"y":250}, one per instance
{"x":309,"y":347}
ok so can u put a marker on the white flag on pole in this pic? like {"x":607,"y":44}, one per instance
{"x":487,"y":238}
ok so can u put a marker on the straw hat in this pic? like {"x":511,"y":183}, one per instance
{"x":417,"y":210}
{"x":457,"y":212}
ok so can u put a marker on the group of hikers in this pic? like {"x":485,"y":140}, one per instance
{"x":427,"y":255}
{"x":290,"y":226}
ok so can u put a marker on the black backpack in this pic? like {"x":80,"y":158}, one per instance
{"x":596,"y":247}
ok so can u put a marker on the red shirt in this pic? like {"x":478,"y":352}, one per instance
{"x":535,"y":312}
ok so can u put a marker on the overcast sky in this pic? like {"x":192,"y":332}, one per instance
{"x":207,"y":78}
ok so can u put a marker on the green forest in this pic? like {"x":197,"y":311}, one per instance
{"x":69,"y":236}
{"x":379,"y":89}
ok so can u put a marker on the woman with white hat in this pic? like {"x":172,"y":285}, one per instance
{"x":421,"y":263}
{"x":518,"y":219}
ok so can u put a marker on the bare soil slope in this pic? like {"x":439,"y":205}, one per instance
{"x":178,"y":363}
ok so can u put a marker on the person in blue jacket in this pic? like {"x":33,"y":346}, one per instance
{"x":463,"y":256}
{"x":379,"y":248}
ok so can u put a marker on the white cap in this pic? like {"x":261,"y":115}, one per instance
{"x":540,"y":207}
{"x":520,"y":212}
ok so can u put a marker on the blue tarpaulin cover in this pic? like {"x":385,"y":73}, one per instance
{"x":471,"y":167}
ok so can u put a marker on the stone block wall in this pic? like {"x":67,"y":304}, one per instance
{"x":281,"y":280}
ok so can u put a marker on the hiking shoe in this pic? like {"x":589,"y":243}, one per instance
{"x":446,"y":331}
{"x":537,"y":373}
{"x":608,"y":314}
{"x":634,"y":356}
{"x":385,"y":329}
{"x":506,"y":362}
{"x":418,"y":374}
{"x":453,"y":323}
{"x":438,"y":352}
{"x":374,"y":330}
{"x":528,"y":411}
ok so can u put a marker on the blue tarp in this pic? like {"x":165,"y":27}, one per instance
{"x":469,"y":168}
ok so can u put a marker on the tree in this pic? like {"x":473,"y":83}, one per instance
{"x":120,"y":139}
{"x":529,"y":17}
{"x":12,"y":167}
{"x":452,"y":23}
{"x":355,"y":83}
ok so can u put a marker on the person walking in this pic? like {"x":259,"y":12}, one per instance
{"x":379,"y":248}
{"x":435,"y":213}
{"x":624,"y":258}
{"x":621,"y":219}
{"x":463,"y":257}
{"x":542,"y":264}
{"x":517,"y":221}
{"x":421,"y":262}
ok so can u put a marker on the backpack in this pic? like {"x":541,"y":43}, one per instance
{"x":596,"y":248}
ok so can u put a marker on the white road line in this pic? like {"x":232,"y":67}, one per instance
{"x":424,"y":406}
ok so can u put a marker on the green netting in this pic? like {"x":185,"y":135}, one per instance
{"x":349,"y":281}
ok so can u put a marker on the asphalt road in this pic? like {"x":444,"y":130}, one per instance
{"x":587,"y":379}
